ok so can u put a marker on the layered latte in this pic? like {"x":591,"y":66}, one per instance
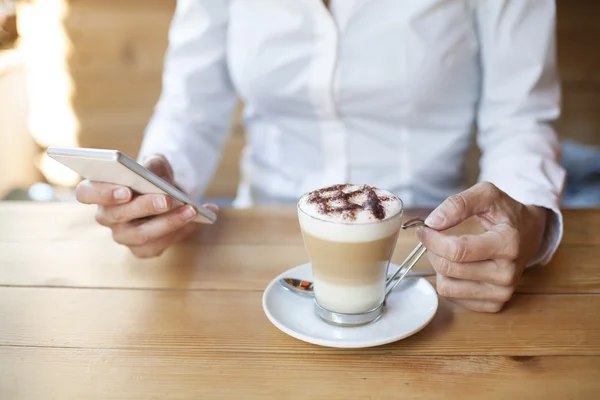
{"x":350,"y":233}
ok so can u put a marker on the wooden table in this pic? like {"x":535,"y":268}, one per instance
{"x":81,"y":318}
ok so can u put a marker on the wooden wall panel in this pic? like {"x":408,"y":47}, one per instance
{"x":581,"y":112}
{"x":578,"y":34}
{"x":116,"y":58}
{"x":111,"y":37}
{"x":116,"y":63}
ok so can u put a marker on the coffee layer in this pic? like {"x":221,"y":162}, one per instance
{"x":349,"y":264}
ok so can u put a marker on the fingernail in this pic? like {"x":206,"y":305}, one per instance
{"x":188,"y":213}
{"x":121,"y":194}
{"x":160,"y":203}
{"x":212,"y":207}
{"x":419,"y":233}
{"x":435,"y":220}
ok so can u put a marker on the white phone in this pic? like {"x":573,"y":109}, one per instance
{"x":112,"y":166}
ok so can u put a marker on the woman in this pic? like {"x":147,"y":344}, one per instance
{"x":383,"y":92}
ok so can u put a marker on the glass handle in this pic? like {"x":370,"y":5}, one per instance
{"x":410,"y":261}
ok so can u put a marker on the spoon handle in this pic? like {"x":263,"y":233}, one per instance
{"x":306,"y":288}
{"x":422,"y":272}
{"x":405,"y":268}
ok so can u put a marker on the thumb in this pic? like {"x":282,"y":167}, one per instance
{"x":159,"y":165}
{"x":476,"y":200}
{"x":212,"y":207}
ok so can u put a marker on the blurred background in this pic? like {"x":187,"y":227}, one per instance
{"x":88,"y":73}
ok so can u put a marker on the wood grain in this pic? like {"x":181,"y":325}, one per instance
{"x":573,"y":269}
{"x":577,"y":33}
{"x":244,"y":251}
{"x":112,"y":37}
{"x":267,"y":225}
{"x":39,"y":373}
{"x":580,"y":118}
{"x":95,"y":97}
{"x":103,"y":264}
{"x":60,"y":221}
{"x":234,"y":322}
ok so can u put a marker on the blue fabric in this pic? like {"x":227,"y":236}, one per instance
{"x":582,"y":163}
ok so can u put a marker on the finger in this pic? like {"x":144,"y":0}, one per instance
{"x":468,"y":248}
{"x":479,"y":306}
{"x":485,"y":223}
{"x":140,"y":207}
{"x":159,"y":165}
{"x":104,"y":194}
{"x":212,"y":207}
{"x":476,"y":200}
{"x":495,"y":272}
{"x":472,"y":290}
{"x":155,"y":228}
{"x":157,"y":247}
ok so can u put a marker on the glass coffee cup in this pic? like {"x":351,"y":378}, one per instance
{"x":350,"y":233}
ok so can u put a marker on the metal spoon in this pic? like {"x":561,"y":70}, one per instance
{"x":305,"y":288}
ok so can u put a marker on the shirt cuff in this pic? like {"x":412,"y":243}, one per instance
{"x":156,"y":142}
{"x":553,"y":232}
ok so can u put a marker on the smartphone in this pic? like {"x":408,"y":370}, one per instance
{"x":112,"y":166}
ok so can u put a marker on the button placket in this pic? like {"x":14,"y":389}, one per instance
{"x":323,"y":90}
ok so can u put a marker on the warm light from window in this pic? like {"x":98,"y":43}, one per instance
{"x":46,"y":47}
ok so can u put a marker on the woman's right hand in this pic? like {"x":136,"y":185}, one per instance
{"x":147,"y":224}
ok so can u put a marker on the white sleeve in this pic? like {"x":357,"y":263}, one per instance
{"x":193,"y":115}
{"x":520,"y":100}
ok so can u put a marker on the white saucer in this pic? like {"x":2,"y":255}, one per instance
{"x":410,"y":307}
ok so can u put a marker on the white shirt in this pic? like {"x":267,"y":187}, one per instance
{"x":382,"y":92}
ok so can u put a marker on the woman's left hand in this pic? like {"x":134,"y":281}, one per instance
{"x":481,"y":272}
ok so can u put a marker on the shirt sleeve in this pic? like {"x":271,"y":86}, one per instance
{"x":520,"y":100}
{"x":193,"y":115}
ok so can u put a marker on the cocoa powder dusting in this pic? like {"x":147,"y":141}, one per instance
{"x":326,"y":198}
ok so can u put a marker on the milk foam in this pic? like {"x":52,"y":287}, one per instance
{"x":360,"y":225}
{"x":389,"y":202}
